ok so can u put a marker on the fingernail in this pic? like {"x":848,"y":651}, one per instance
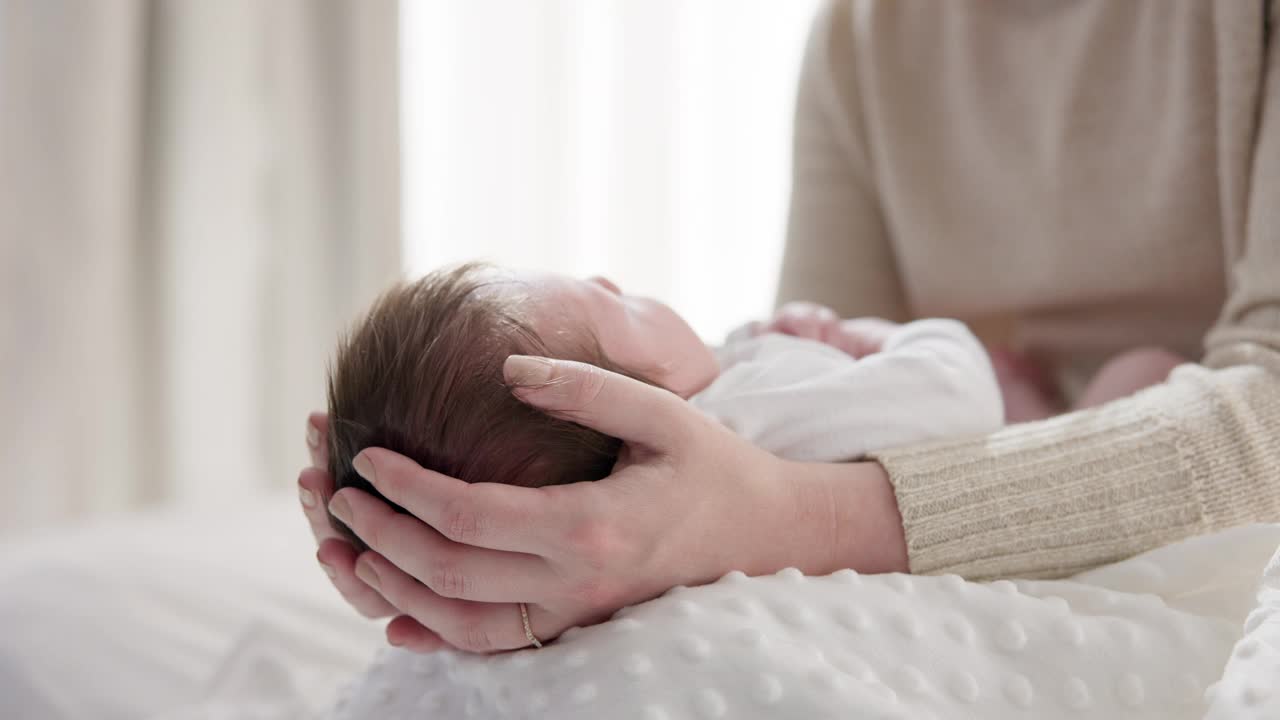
{"x":313,"y":436}
{"x":340,"y":508}
{"x":307,"y":497}
{"x":525,"y":370}
{"x":365,"y":571}
{"x":364,"y":468}
{"x":328,"y":570}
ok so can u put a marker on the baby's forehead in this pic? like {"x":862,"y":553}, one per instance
{"x":509,"y":281}
{"x":539,"y":288}
{"x":555,"y":306}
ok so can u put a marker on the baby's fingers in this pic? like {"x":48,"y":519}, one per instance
{"x":860,"y":337}
{"x":803,"y":319}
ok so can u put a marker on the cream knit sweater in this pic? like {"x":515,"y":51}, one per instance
{"x":1075,"y":177}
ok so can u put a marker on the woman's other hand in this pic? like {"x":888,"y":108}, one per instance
{"x":687,"y":502}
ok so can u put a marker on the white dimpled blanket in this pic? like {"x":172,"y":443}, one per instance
{"x":1187,"y":631}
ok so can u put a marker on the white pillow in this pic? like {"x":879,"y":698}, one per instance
{"x":136,"y":615}
{"x":840,"y":646}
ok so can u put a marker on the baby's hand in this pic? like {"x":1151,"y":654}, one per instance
{"x":803,"y":319}
{"x":857,"y":337}
{"x":861,"y":337}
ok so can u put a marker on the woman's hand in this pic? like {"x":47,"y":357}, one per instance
{"x":688,"y":501}
{"x":337,"y":557}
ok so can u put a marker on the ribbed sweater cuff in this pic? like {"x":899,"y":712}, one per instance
{"x":1052,"y":498}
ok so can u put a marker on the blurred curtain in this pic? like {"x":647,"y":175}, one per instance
{"x":194,"y":197}
{"x":647,"y":140}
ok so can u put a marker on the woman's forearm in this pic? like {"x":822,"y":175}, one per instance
{"x":846,"y":517}
{"x":1055,"y":497}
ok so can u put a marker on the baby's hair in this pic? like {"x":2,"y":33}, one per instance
{"x":421,"y":375}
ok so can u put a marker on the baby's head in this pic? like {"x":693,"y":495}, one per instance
{"x":421,"y":374}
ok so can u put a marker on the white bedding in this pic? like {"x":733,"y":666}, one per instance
{"x":1140,"y":639}
{"x":148,"y":619}
{"x":133,"y":617}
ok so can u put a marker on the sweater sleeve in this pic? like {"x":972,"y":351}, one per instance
{"x":1196,"y":454}
{"x":838,"y":251}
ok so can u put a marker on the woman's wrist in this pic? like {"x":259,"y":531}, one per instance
{"x":845,"y":516}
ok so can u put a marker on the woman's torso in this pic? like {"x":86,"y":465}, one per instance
{"x":1050,"y":169}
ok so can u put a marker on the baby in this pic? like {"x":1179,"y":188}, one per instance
{"x":421,"y":374}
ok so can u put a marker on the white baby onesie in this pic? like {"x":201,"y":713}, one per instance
{"x":803,"y":400}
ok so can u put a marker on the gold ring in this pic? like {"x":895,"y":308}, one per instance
{"x":528,"y":631}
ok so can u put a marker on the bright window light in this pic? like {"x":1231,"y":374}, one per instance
{"x":644,"y":140}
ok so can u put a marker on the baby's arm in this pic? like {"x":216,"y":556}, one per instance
{"x":806,"y":401}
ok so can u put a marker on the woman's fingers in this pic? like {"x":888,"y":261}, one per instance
{"x":314,"y":489}
{"x":336,"y":556}
{"x":451,"y":570}
{"x":611,"y":403}
{"x":466,"y":625}
{"x":318,"y":439}
{"x":403,"y":631}
{"x":488,"y":515}
{"x":338,"y":559}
